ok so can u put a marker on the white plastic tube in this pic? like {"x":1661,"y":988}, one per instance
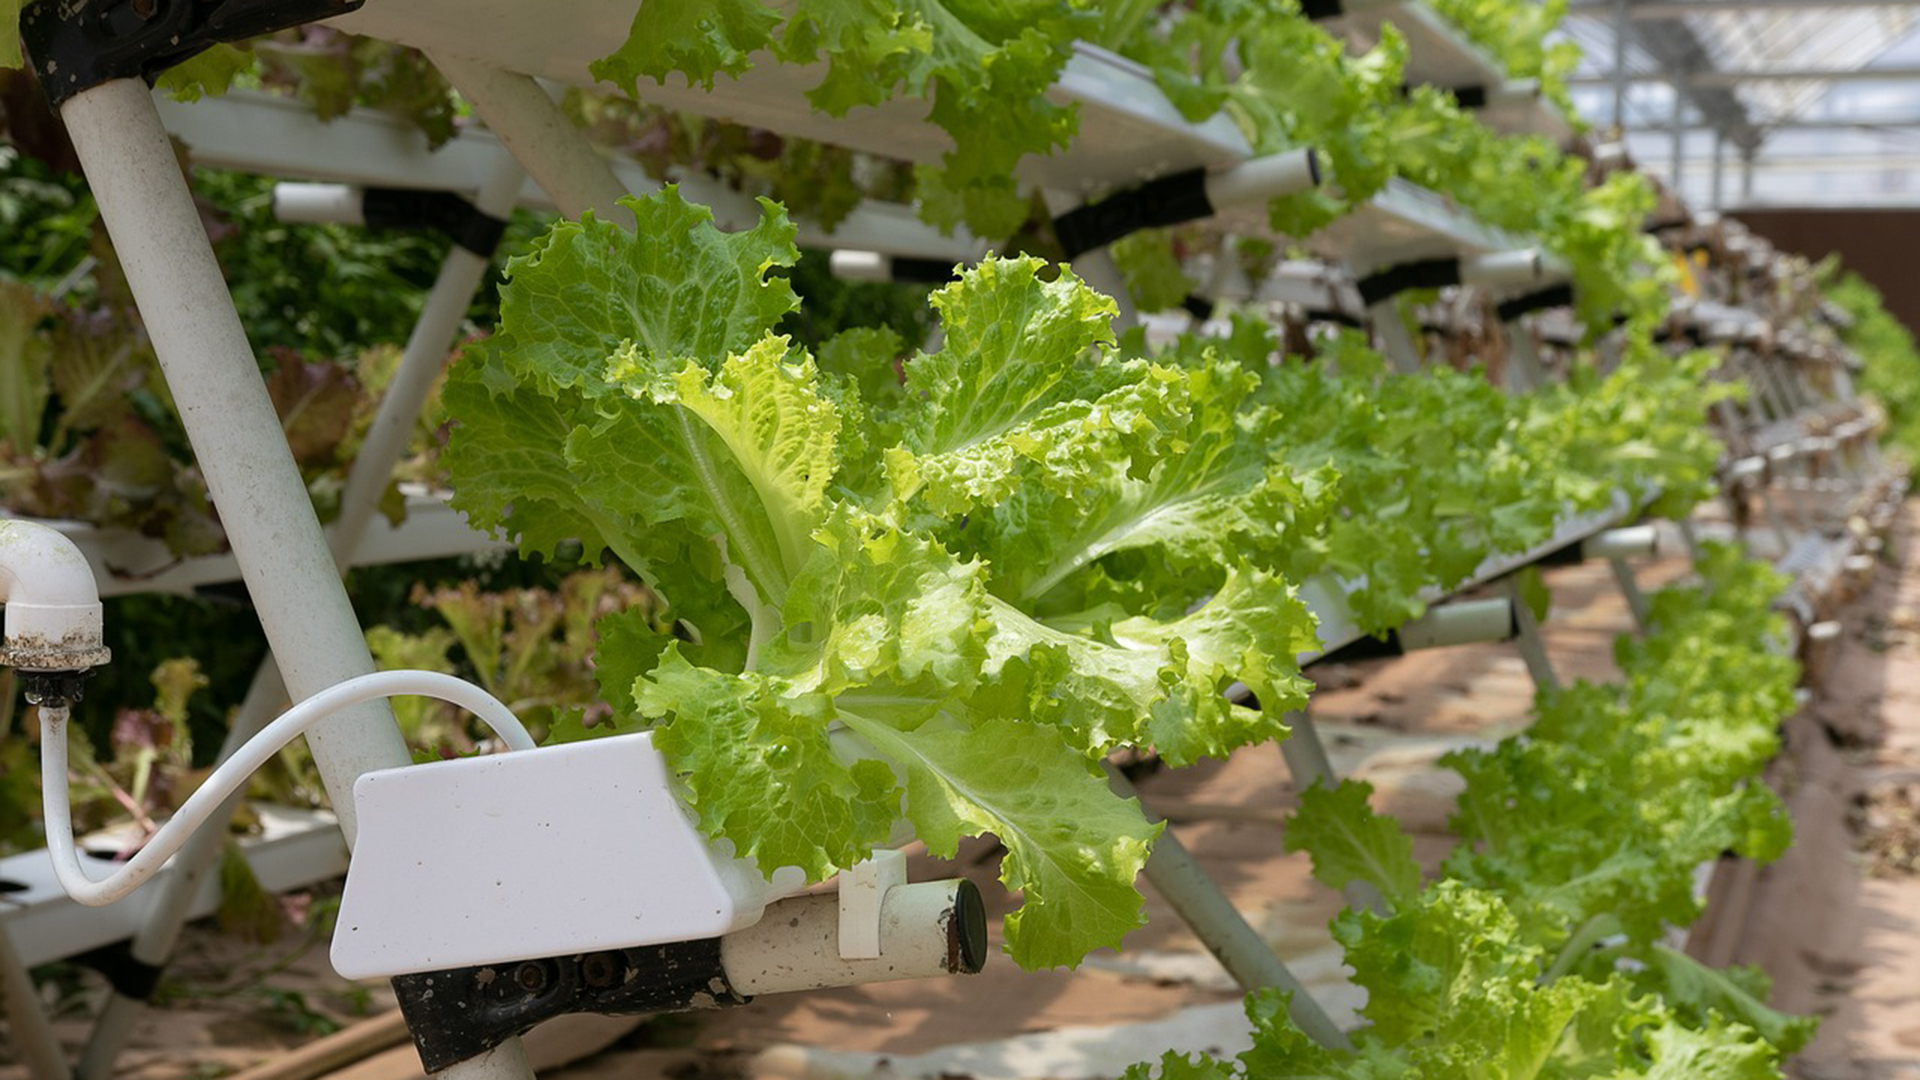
{"x":861,"y":266}
{"x":1628,"y":542}
{"x":319,"y":204}
{"x":235,"y":770}
{"x":1264,"y":178}
{"x":1527,"y":266}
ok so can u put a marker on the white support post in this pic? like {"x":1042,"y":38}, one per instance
{"x":1304,"y":752}
{"x":526,"y":118}
{"x":210,"y":368}
{"x":1630,"y":588}
{"x":1391,"y":332}
{"x":1223,"y":930}
{"x":28,"y":1029}
{"x":1524,"y":370}
{"x":433,"y":334}
{"x":1719,"y":169}
{"x":1307,"y":765}
{"x":1622,"y":32}
{"x":1679,"y":147}
{"x":1533,"y":648}
{"x":1692,"y":539}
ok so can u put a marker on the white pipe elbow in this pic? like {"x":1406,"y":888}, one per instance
{"x":54,"y":620}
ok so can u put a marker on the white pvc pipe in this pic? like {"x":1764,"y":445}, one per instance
{"x":237,"y":440}
{"x":386,"y":439}
{"x":433,"y":334}
{"x":1524,"y":370}
{"x":53,"y":613}
{"x":234,"y":772}
{"x":1264,"y":178}
{"x":861,"y":266}
{"x":796,"y":943}
{"x":1630,"y":589}
{"x":319,"y":204}
{"x":1629,"y":542}
{"x":533,"y":127}
{"x":1396,"y":343}
{"x":1463,"y":622}
{"x":28,"y":1030}
{"x":1505,"y":268}
{"x":1225,"y":933}
{"x":1532,"y":646}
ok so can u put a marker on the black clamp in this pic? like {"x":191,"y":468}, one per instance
{"x":53,"y":688}
{"x":129,"y":976}
{"x":1691,"y":334}
{"x":442,"y":211}
{"x":1468,"y":98}
{"x":78,"y":46}
{"x":907,"y":271}
{"x":1335,"y":316}
{"x":1200,"y":307}
{"x":462,"y":1013}
{"x":1365,"y":647}
{"x":1316,"y":10}
{"x":1384,"y":285}
{"x":1552,"y":296}
{"x":1170,"y":200}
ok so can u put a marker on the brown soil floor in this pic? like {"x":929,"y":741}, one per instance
{"x":1840,"y":929}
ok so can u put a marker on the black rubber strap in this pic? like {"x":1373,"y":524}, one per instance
{"x":1689,"y":334}
{"x":1469,"y":97}
{"x":1331,"y":315}
{"x":1551,"y":297}
{"x":1169,"y":200}
{"x":442,"y":211}
{"x":1363,"y":648}
{"x":1386,"y":284}
{"x":905,"y":271}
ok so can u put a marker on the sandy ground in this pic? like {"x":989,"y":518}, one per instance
{"x":1843,"y":943}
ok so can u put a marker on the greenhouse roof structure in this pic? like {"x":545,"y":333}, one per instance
{"x":1755,"y":103}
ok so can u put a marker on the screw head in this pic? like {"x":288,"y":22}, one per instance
{"x":531,"y":976}
{"x":600,"y":970}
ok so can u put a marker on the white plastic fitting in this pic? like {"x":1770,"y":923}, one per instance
{"x":863,"y":895}
{"x":53,"y":613}
{"x":1463,"y":622}
{"x":319,"y":204}
{"x":1633,"y":541}
{"x":1263,"y":178}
